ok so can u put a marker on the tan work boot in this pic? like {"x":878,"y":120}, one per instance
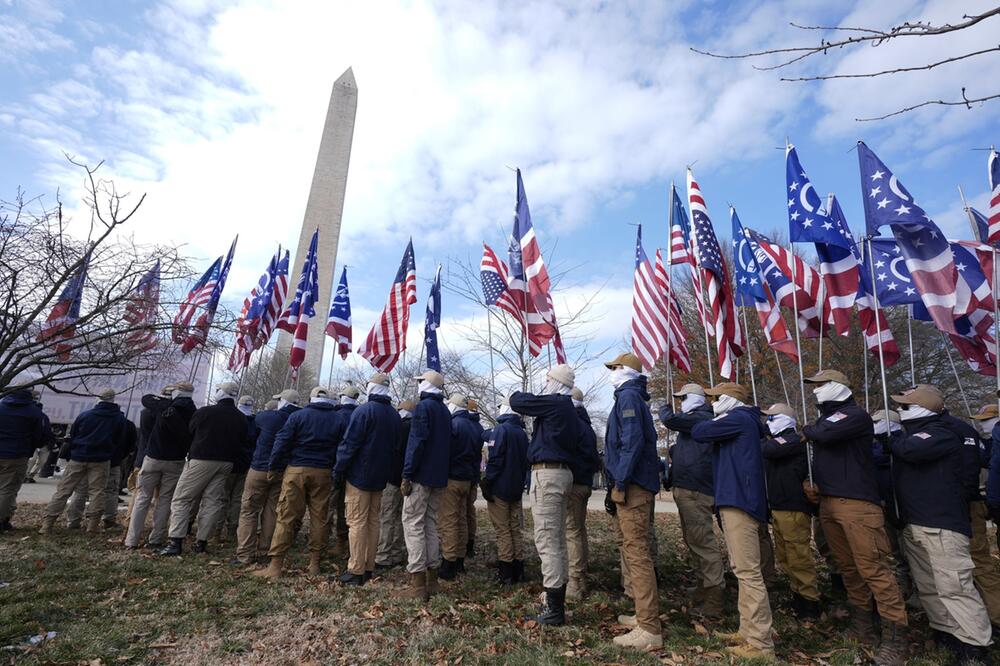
{"x":627,"y":621}
{"x":576,"y":589}
{"x":273,"y":569}
{"x":313,"y":564}
{"x":892,"y":651}
{"x":730,"y":638}
{"x":696,"y":593}
{"x":712,"y":604}
{"x":94,"y":525}
{"x":640,"y":639}
{"x":47,"y":524}
{"x":431,"y":583}
{"x":862,"y":627}
{"x":747,"y":651}
{"x":340,"y":549}
{"x":417,"y":588}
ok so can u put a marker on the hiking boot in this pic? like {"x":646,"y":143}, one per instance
{"x":470,"y":549}
{"x":837,"y":584}
{"x":5,"y":526}
{"x":505,"y":573}
{"x":713,"y":604}
{"x":273,"y":569}
{"x":460,"y":565}
{"x":805,"y":609}
{"x":110,"y":524}
{"x":974,"y":654}
{"x":576,"y":589}
{"x":892,"y":651}
{"x":862,"y":627}
{"x":696,"y":594}
{"x":313,"y":569}
{"x":449,"y":569}
{"x":431,"y":583}
{"x":74,"y":525}
{"x":747,"y":651}
{"x":417,"y":588}
{"x":201,"y":546}
{"x":352,"y":580}
{"x":519,"y":576}
{"x":553,"y":611}
{"x":48,"y":522}
{"x":368,"y":576}
{"x":639,"y":639}
{"x":628,"y":621}
{"x":94,"y":525}
{"x":730,"y":638}
{"x":173,"y":548}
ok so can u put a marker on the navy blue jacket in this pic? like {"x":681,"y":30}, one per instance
{"x":428,"y":448}
{"x":882,"y":453}
{"x":365,"y":454}
{"x":171,"y":435}
{"x":737,"y":462}
{"x":21,"y":426}
{"x":268,"y":423}
{"x":928,"y":473}
{"x":786,"y":467}
{"x":630,"y":439}
{"x":399,"y":452}
{"x":466,"y":447}
{"x":974,"y":456}
{"x":993,"y":477}
{"x":126,"y":445}
{"x":842,"y":456}
{"x":309,"y":438}
{"x":690,"y":459}
{"x":556,"y":436}
{"x":96,"y":433}
{"x":220,"y":432}
{"x":242,"y":463}
{"x":475,"y":418}
{"x":584,"y":465}
{"x":507,"y":465}
{"x":152,"y":405}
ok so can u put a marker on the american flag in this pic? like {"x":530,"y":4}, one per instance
{"x":269,"y":319}
{"x":251,"y":316}
{"x":708,"y":254}
{"x":432,"y":322}
{"x":303,"y":308}
{"x":61,"y":322}
{"x":495,"y":278}
{"x":650,"y":314}
{"x":289,"y":319}
{"x":199,"y":294}
{"x":839,"y":268}
{"x":679,"y":354}
{"x":529,"y":279}
{"x":980,"y":223}
{"x":338,"y":323}
{"x":682,"y":249}
{"x":387,"y":339}
{"x":140,"y":312}
{"x":198,"y":334}
{"x":751,"y":289}
{"x":993,"y":166}
{"x":805,"y":293}
{"x":924,"y":247}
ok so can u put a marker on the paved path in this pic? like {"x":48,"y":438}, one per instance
{"x":42,"y":490}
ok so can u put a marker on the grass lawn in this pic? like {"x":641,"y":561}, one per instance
{"x":110,"y":606}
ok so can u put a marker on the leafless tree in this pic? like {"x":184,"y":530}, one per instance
{"x":846,"y":37}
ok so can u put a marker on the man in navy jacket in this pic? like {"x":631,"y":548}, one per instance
{"x":741,"y":500}
{"x":363,"y":467}
{"x":690,"y":478}
{"x":337,"y":515}
{"x":584,"y":465}
{"x":21,"y":434}
{"x":503,"y":487}
{"x":305,"y":448}
{"x":633,"y":476}
{"x":391,"y":545}
{"x":425,"y":476}
{"x":259,"y":503}
{"x":93,"y":438}
{"x":986,"y":575}
{"x":933,"y":505}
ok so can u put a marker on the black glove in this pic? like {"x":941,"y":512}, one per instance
{"x":339,"y":482}
{"x":609,"y":505}
{"x":487,"y":489}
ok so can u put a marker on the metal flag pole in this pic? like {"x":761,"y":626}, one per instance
{"x":746,"y":332}
{"x":670,"y":287}
{"x":781,"y":375}
{"x":798,"y":343}
{"x":333,"y":357}
{"x":881,"y":352}
{"x":211,"y":373}
{"x":493,"y":373}
{"x":954,"y":370}
{"x":864,"y":360}
{"x":909,"y":336}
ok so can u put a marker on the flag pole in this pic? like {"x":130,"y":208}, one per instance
{"x":670,"y":286}
{"x":881,"y":351}
{"x":954,"y":370}
{"x":493,"y":372}
{"x":798,"y":349}
{"x":909,"y":337}
{"x":864,"y":359}
{"x":781,"y":375}
{"x":746,"y":332}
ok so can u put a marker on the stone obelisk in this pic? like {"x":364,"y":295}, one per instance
{"x":324,"y":210}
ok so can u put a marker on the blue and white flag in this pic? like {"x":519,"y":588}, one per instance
{"x":432,"y":322}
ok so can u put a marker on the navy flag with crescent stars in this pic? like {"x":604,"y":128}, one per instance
{"x":892,"y":278}
{"x":433,"y":322}
{"x":807,"y":221}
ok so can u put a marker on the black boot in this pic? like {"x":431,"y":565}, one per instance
{"x":974,"y":654}
{"x":505,"y":573}
{"x":837,"y":583}
{"x":553,"y":611}
{"x":470,"y":549}
{"x":352,"y":580}
{"x":519,"y":571}
{"x":806,"y":609}
{"x":460,"y":565}
{"x":369,"y":575}
{"x":448,"y":570}
{"x":200,"y":546}
{"x":174,"y":548}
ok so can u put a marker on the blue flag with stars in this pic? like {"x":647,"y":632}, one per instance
{"x":892,"y":277}
{"x":749,"y":287}
{"x":433,"y":322}
{"x":807,"y":221}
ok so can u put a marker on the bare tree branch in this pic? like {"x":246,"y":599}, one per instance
{"x":965,"y":101}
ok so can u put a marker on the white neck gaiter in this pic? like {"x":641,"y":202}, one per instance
{"x":222,"y":395}
{"x":328,"y":401}
{"x":780,"y":423}
{"x":621,"y":375}
{"x":455,"y":409}
{"x":553,"y":387}
{"x":831,"y":392}
{"x":348,"y":400}
{"x":405,"y":414}
{"x":427,"y":387}
{"x":691,"y":402}
{"x":181,"y":394}
{"x":915,"y":412}
{"x":986,"y":427}
{"x":880,"y":427}
{"x":377,"y":389}
{"x":283,"y":403}
{"x":246,"y":409}
{"x":725,"y":404}
{"x":505,"y":409}
{"x":577,"y":403}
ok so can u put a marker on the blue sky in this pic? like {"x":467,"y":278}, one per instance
{"x":214,"y":108}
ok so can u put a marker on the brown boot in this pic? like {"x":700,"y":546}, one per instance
{"x":712,"y":606}
{"x":313,"y":564}
{"x":432,"y":582}
{"x":273,"y":569}
{"x":417,"y":588}
{"x":892,"y":651}
{"x":94,"y":525}
{"x":47,"y":524}
{"x":862,"y":627}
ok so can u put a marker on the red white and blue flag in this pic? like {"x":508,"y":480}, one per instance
{"x":251,"y":316}
{"x":198,"y":334}
{"x":993,"y":212}
{"x":495,"y":278}
{"x":679,"y":355}
{"x":296,"y":317}
{"x":61,"y":322}
{"x":199,"y":294}
{"x":650,"y":313}
{"x":289,"y":319}
{"x":338,"y":323}
{"x":386,"y":341}
{"x":141,"y":310}
{"x":682,"y":250}
{"x":804,"y":294}
{"x":708,"y":255}
{"x":276,"y":306}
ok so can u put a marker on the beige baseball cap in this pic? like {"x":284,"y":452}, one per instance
{"x":563,"y":374}
{"x":779,"y":408}
{"x":627,"y":359}
{"x":741,"y":393}
{"x":690,"y":389}
{"x":432,"y":376}
{"x":987,"y":412}
{"x":824,"y":376}
{"x":922,"y":397}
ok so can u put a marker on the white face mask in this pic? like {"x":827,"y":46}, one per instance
{"x":377,"y":389}
{"x":505,"y":409}
{"x":577,"y":403}
{"x":725,"y":404}
{"x":246,"y":409}
{"x":282,"y":403}
{"x":348,"y":400}
{"x":329,"y":401}
{"x":691,"y":402}
{"x":405,"y":414}
{"x":181,"y":394}
{"x":986,"y":427}
{"x":553,"y":387}
{"x":222,"y":395}
{"x":427,"y":387}
{"x":880,"y":427}
{"x":455,"y":409}
{"x":780,"y":423}
{"x":622,"y":374}
{"x":915,"y":412}
{"x":831,"y":392}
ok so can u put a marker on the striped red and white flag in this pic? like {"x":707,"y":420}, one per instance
{"x":682,"y":251}
{"x":679,"y":355}
{"x":993,"y":212}
{"x":386,"y":341}
{"x":650,"y":323}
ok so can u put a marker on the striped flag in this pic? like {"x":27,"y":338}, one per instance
{"x":682,"y":250}
{"x":248,"y":323}
{"x":650,"y":323}
{"x":495,"y":278}
{"x":289,"y":319}
{"x":61,"y":322}
{"x":993,"y":212}
{"x":338,"y":323}
{"x":839,"y":268}
{"x":679,"y":355}
{"x":303,"y":308}
{"x":199,"y":294}
{"x":387,"y":338}
{"x":708,"y":255}
{"x":140,"y":312}
{"x":198,"y":334}
{"x":269,"y":318}
{"x":805,"y":293}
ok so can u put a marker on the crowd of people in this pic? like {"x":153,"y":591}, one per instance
{"x":897,"y":502}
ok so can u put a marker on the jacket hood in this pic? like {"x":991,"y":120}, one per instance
{"x":583,"y":414}
{"x":322,"y":406}
{"x":755,"y":412}
{"x":432,"y":396}
{"x":380,"y":398}
{"x":830,"y":407}
{"x":513,"y":419}
{"x":289,"y":408}
{"x":107,"y":409}
{"x":474,"y":416}
{"x":182,"y":401}
{"x":638,"y":384}
{"x":914,"y":425}
{"x":18,"y":398}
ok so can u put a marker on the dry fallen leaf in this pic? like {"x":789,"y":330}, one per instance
{"x":700,"y":629}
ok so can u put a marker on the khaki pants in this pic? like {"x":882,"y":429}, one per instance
{"x":633,"y":520}
{"x":855,"y":532}
{"x":302,"y":487}
{"x":942,"y":570}
{"x":506,"y":518}
{"x":986,"y":576}
{"x":697,"y":519}
{"x":157,"y":479}
{"x":452,"y":522}
{"x":205,"y":479}
{"x":793,"y":548}
{"x":744,"y":544}
{"x":232,"y":498}
{"x":391,"y":545}
{"x":420,"y":510}
{"x":577,"y":546}
{"x":37,"y":462}
{"x":258,"y":515}
{"x":470,"y":509}
{"x":75,"y":508}
{"x":12,"y":471}
{"x":550,"y":489}
{"x":362,"y":521}
{"x":94,"y":474}
{"x":336,"y":517}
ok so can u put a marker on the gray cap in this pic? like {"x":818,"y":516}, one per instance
{"x":106,"y":395}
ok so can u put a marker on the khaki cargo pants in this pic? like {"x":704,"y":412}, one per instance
{"x":420,"y":511}
{"x":452,"y":521}
{"x":157,"y":481}
{"x":75,"y":508}
{"x":743,"y":540}
{"x":506,"y":518}
{"x":302,"y":487}
{"x":697,"y":518}
{"x":258,"y":515}
{"x":793,"y":549}
{"x":633,"y":509}
{"x":94,"y":474}
{"x":986,"y":576}
{"x":362,"y":522}
{"x":204,"y":480}
{"x":12,"y":472}
{"x":391,"y":545}
{"x":550,"y":489}
{"x":577,"y":546}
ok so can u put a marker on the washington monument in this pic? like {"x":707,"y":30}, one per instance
{"x":324,"y":210}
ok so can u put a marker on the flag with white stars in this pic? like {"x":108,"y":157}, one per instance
{"x":807,"y":221}
{"x":338,"y":322}
{"x":804,"y":294}
{"x":432,"y":322}
{"x":839,"y":268}
{"x":975,"y":346}
{"x":927,"y":254}
{"x":892,"y":277}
